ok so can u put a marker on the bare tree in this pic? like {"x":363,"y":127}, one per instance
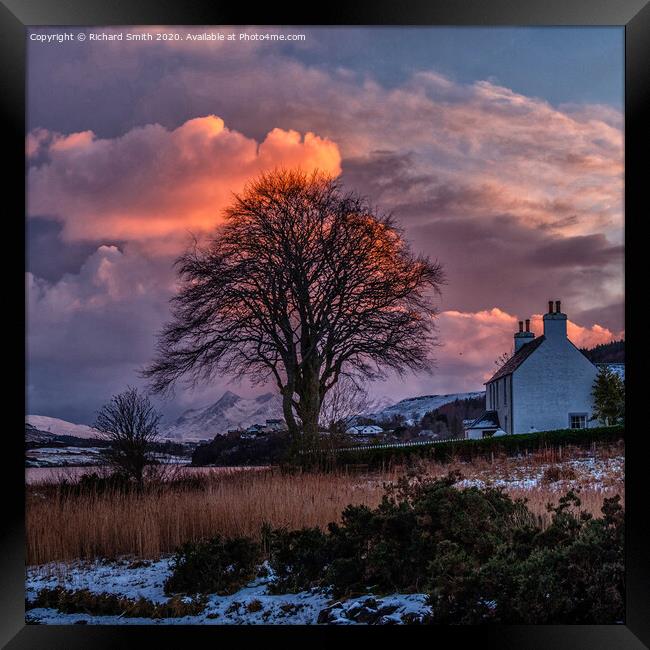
{"x":501,"y":359}
{"x":342,"y":402}
{"x":301,"y":285}
{"x":130,"y":423}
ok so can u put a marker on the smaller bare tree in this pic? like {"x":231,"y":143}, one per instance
{"x":130,"y":423}
{"x":501,"y":359}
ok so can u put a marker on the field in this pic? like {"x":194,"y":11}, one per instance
{"x":64,"y":524}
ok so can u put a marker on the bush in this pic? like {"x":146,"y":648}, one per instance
{"x":573,"y":573}
{"x":83,"y":601}
{"x":94,"y":483}
{"x":297,"y":557}
{"x":216,"y":565}
{"x":480,"y":555}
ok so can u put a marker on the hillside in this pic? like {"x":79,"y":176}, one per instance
{"x":59,"y":427}
{"x":613,"y":352}
{"x":414,"y":408}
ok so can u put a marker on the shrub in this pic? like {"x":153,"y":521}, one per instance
{"x":94,"y":483}
{"x":573,"y":573}
{"x":297,"y":557}
{"x":254,"y":605}
{"x":83,"y":601}
{"x":480,"y":555}
{"x":216,"y":565}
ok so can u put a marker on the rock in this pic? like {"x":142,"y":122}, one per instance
{"x":327,"y":615}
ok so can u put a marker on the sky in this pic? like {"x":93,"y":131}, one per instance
{"x":499,"y":151}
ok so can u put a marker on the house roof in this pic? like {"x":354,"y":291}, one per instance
{"x":517,"y":359}
{"x":487,"y":420}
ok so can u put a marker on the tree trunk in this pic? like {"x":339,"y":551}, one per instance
{"x":309,"y":407}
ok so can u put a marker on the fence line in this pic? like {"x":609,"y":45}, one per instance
{"x":391,"y":445}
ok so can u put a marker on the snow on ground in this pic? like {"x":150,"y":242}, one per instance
{"x":64,"y":456}
{"x":418,"y":406}
{"x":252,"y":605}
{"x":596,"y":473}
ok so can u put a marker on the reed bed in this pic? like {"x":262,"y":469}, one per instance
{"x":66,"y":525}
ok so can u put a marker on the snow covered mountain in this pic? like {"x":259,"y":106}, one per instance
{"x":230,"y":411}
{"x":60,"y":427}
{"x":414,"y":408}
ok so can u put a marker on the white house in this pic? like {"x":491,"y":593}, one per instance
{"x":545,"y":385}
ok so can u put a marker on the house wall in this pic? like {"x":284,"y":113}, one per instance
{"x":553,"y":382}
{"x":499,"y":399}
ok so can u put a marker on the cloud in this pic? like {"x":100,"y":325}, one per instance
{"x":152,"y":182}
{"x":474,"y":340}
{"x":520,"y":200}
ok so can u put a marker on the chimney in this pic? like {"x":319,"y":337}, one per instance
{"x":521,"y":337}
{"x":555,"y":323}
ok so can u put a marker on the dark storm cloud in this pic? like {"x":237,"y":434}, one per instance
{"x":497,"y":261}
{"x":587,"y":250}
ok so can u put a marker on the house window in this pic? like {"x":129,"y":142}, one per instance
{"x":489,"y":433}
{"x":505,"y":400}
{"x":578,"y":420}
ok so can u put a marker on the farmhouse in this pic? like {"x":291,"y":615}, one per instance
{"x":545,"y":385}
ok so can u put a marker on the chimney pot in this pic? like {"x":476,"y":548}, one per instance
{"x":521,"y":325}
{"x":550,"y":306}
{"x":528,"y":324}
{"x":557,"y":307}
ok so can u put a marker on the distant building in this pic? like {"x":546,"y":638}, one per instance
{"x":364,"y":430}
{"x":275,"y":425}
{"x":545,"y":385}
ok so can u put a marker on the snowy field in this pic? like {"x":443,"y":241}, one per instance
{"x":64,"y":456}
{"x":252,"y":605}
{"x":594,"y":473}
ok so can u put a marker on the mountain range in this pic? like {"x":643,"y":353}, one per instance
{"x":231,"y":411}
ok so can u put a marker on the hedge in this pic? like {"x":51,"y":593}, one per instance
{"x":467,"y":449}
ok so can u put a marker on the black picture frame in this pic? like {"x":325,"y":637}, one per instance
{"x":15,"y":15}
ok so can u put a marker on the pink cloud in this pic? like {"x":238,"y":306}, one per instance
{"x":472,"y":341}
{"x":154,"y":183}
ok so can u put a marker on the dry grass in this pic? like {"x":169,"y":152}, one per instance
{"x":66,"y":526}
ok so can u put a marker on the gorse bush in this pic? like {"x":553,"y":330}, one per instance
{"x":480,"y":555}
{"x":297,"y":557}
{"x":216,"y":565}
{"x":573,"y":572}
{"x":391,"y":547}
